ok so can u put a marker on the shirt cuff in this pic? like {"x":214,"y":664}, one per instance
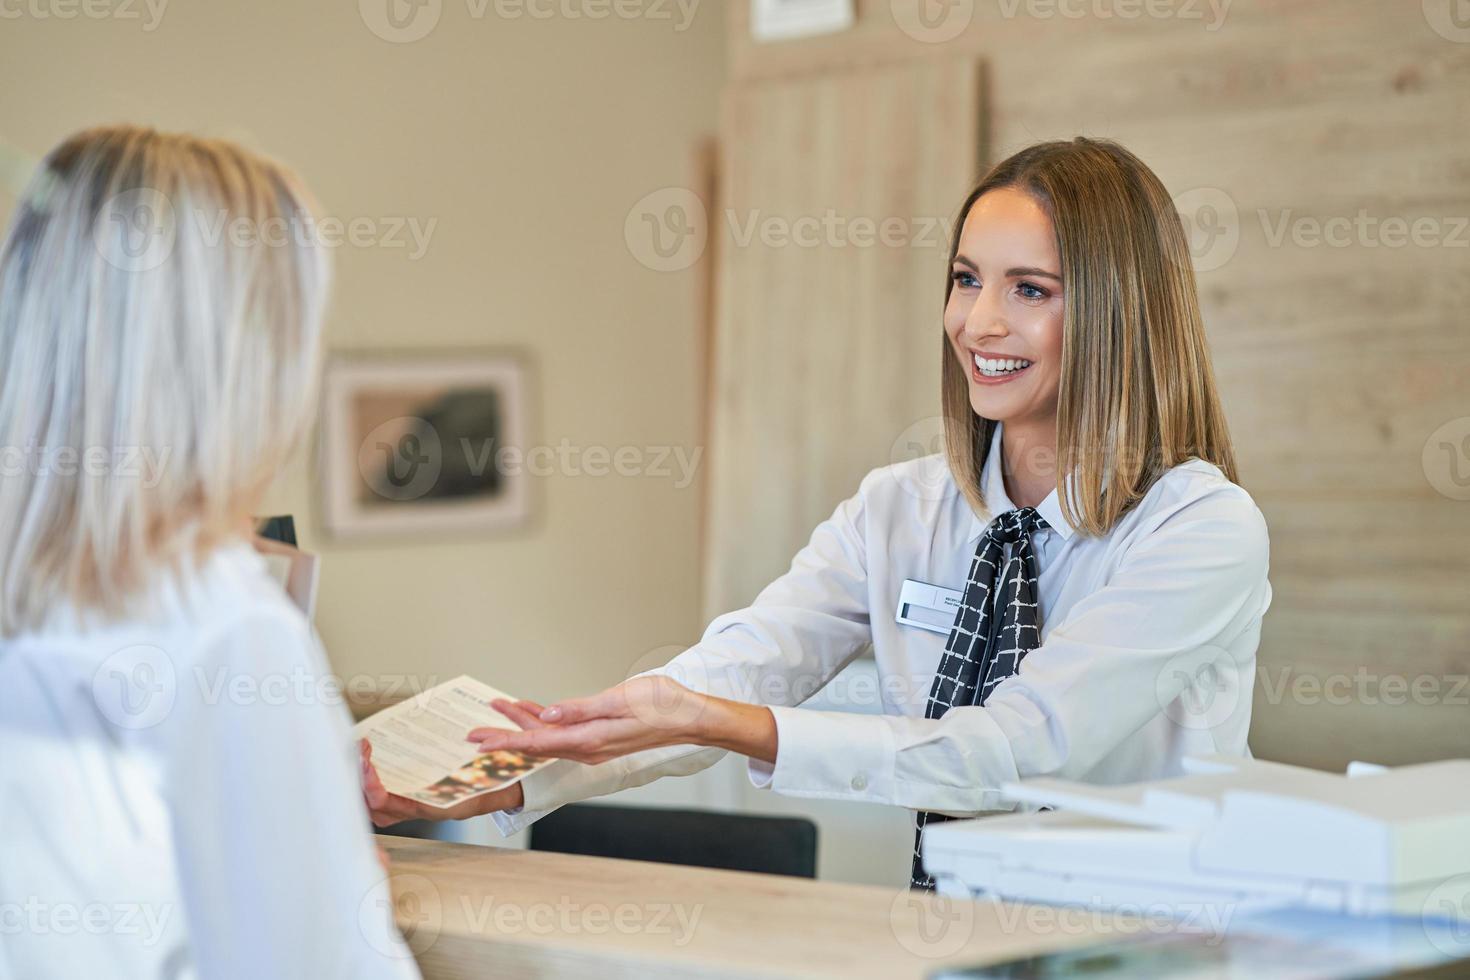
{"x":565,"y":782}
{"x":560,"y":783}
{"x":829,"y":755}
{"x":511,"y":822}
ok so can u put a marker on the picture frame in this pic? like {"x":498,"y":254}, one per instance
{"x":423,"y":443}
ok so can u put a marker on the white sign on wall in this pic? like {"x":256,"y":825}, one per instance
{"x":778,"y":20}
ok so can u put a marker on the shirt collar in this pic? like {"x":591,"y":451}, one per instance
{"x":993,"y":489}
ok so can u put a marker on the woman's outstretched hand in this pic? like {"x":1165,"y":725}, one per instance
{"x":647,"y":712}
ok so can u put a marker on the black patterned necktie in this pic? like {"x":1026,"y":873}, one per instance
{"x":988,"y":639}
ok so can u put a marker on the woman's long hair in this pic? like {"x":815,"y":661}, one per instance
{"x":1137,"y":392}
{"x":161,"y":300}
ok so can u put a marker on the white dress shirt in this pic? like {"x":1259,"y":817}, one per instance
{"x":179,"y":797}
{"x":1147,"y":655}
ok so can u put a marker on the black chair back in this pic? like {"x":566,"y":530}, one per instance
{"x":737,"y":842}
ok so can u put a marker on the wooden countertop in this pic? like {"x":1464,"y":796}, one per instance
{"x":470,"y":911}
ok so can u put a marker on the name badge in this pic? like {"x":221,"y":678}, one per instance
{"x":928,"y":607}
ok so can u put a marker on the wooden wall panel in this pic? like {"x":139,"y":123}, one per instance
{"x":1337,"y":363}
{"x":826,"y":345}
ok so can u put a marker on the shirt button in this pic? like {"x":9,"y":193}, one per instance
{"x":860,"y":782}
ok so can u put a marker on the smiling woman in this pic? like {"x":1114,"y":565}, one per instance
{"x":1003,"y":325}
{"x":1121,"y":385}
{"x":1104,"y":571}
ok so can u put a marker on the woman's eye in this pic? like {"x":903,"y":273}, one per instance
{"x":964,"y":279}
{"x":1032,"y":291}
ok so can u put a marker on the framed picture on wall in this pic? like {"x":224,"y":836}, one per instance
{"x":423,"y":443}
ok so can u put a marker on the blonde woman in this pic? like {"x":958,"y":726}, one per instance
{"x":1099,"y":627}
{"x":177,"y":795}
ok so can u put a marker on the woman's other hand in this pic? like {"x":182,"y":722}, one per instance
{"x":387,"y":808}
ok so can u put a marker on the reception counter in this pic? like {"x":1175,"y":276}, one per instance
{"x":471,"y":911}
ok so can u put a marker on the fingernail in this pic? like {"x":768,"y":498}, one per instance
{"x":551,"y":714}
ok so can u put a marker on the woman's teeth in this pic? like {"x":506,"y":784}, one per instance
{"x":994,"y":368}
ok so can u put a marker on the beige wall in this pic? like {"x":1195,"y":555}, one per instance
{"x":528,"y":141}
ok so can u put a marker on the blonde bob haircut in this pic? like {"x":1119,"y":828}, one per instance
{"x":159,"y":351}
{"x":1137,"y":392}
